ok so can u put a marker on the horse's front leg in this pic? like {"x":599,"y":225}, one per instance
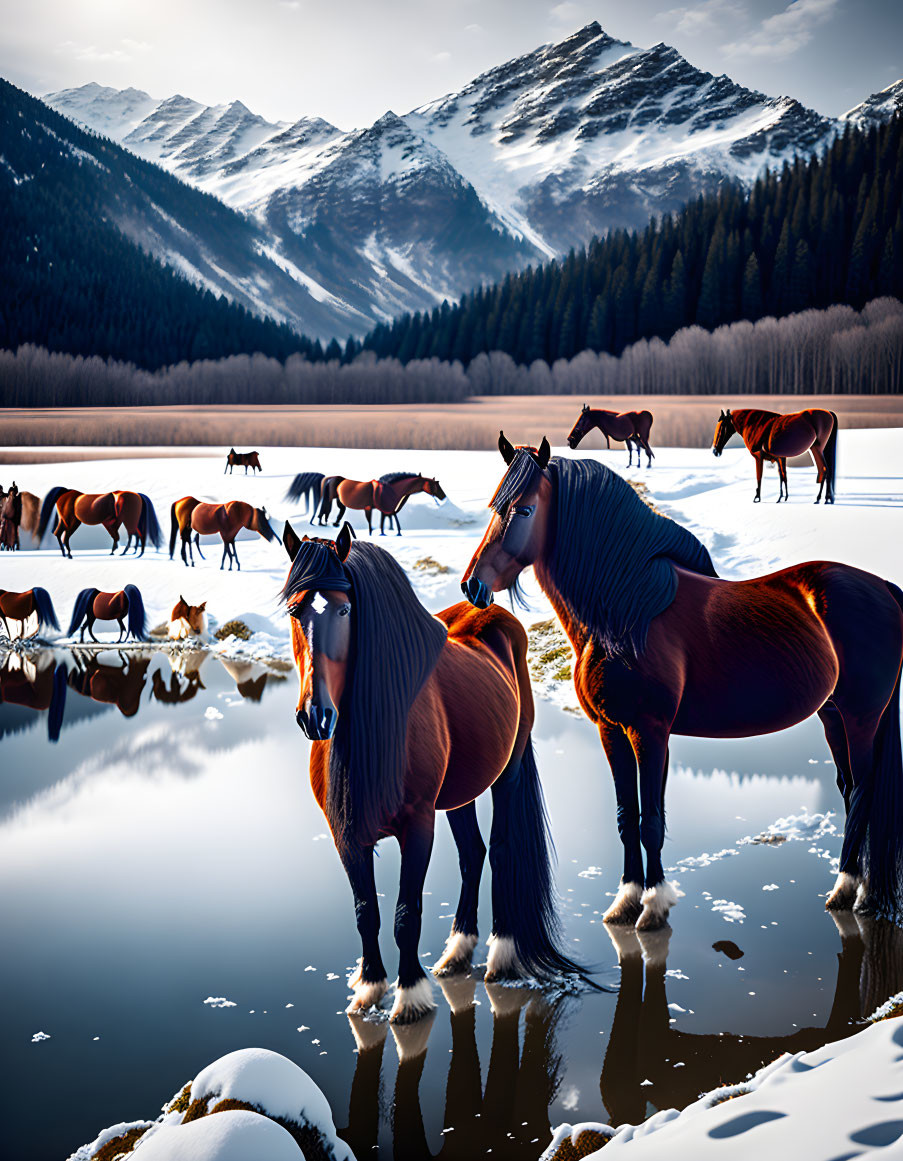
{"x":225,"y":551}
{"x":414,"y":993}
{"x":368,"y":512}
{"x":122,"y":630}
{"x":759,"y":464}
{"x":651,"y":748}
{"x":821,"y":468}
{"x":630,"y":453}
{"x":626,"y":907}
{"x":368,"y":982}
{"x":459,"y":946}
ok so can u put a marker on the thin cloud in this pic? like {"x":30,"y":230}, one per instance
{"x":565,"y":13}
{"x":91,"y":52}
{"x":709,"y":14}
{"x":786,"y":32}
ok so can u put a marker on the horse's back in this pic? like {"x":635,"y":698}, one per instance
{"x":110,"y":606}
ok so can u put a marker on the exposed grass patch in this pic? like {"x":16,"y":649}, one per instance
{"x":431,"y":567}
{"x":180,"y":1102}
{"x":587,"y":1141}
{"x":120,"y":1146}
{"x":549,"y":656}
{"x":233,"y":629}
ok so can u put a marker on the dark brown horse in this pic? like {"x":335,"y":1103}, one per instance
{"x":92,"y":605}
{"x":20,"y":607}
{"x":187,"y":620}
{"x":773,"y":437}
{"x":119,"y":685}
{"x":664,"y":647}
{"x":247,"y":459}
{"x":410,"y":714}
{"x":226,"y":520}
{"x":632,"y":427}
{"x":387,"y":495}
{"x":134,"y":510}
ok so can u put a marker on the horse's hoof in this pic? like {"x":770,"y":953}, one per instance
{"x":457,"y":956}
{"x":502,"y":963}
{"x":657,"y":902}
{"x":626,"y":907}
{"x":412,"y":1003}
{"x":367,"y":994}
{"x":844,"y":894}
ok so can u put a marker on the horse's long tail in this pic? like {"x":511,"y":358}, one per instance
{"x":46,"y":509}
{"x":82,"y":603}
{"x":173,"y":529}
{"x":57,"y":703}
{"x":885,"y":818}
{"x":307,"y":485}
{"x":137,"y":619}
{"x":521,"y":855}
{"x":44,"y":608}
{"x":148,"y":524}
{"x":831,"y":458}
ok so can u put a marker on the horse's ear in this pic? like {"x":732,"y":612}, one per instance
{"x":727,"y":414}
{"x":202,"y":606}
{"x":182,"y":599}
{"x":544,"y":454}
{"x":343,"y":541}
{"x":505,"y":448}
{"x":290,"y":541}
{"x":586,"y":407}
{"x":722,"y":413}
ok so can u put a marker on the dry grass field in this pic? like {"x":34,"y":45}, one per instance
{"x":680,"y":421}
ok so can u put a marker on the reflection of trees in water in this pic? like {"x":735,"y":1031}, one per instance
{"x":644,"y":1046}
{"x":509,"y":1115}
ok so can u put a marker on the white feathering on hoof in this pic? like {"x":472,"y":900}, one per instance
{"x":657,"y":902}
{"x":845,"y":893}
{"x":627,"y":904}
{"x":458,"y":953}
{"x":862,"y":897}
{"x":502,"y":962}
{"x":367,"y":993}
{"x":412,"y":1003}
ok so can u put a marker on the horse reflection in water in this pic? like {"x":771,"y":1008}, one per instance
{"x":509,"y":1115}
{"x":184,"y":678}
{"x":119,"y":684}
{"x":36,"y":682}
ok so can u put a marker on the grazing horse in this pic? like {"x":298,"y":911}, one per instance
{"x":248,"y":459}
{"x":187,"y":620}
{"x":771,"y":436}
{"x":111,"y":509}
{"x":632,"y":427}
{"x":191,"y":515}
{"x":37,"y":683}
{"x":410,"y":714}
{"x":387,"y":495}
{"x":92,"y":605}
{"x":310,"y":486}
{"x":118,"y":685}
{"x":21,"y":606}
{"x":664,"y":647}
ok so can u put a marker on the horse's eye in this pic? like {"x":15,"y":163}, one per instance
{"x":524,"y":510}
{"x":344,"y":610}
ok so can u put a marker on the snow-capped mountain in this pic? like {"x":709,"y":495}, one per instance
{"x":529,"y":159}
{"x":877,"y":108}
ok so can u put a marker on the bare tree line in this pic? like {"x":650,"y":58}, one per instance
{"x":833,"y":351}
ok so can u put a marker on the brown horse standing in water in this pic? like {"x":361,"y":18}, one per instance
{"x":111,"y":509}
{"x":409,"y":714}
{"x":773,"y":437}
{"x":248,"y":459}
{"x":387,"y":495}
{"x":92,"y":605}
{"x":633,"y":427}
{"x":21,"y":606}
{"x":664,"y":647}
{"x":191,"y":515}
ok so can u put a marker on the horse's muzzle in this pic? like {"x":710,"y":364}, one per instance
{"x":477,"y":592}
{"x":319,"y":723}
{"x":716,"y":451}
{"x":572,"y":443}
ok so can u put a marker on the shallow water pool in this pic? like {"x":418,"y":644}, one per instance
{"x":166,"y":850}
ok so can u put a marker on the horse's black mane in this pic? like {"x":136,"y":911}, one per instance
{"x":394,"y":477}
{"x":395,"y":644}
{"x":612,"y":555}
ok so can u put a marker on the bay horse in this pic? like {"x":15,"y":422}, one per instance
{"x":632,"y":427}
{"x":92,"y":605}
{"x":192,"y":515}
{"x":663,"y":646}
{"x":37,"y":683}
{"x":20,"y":607}
{"x":409,"y":714}
{"x":111,"y":509}
{"x":187,"y":620}
{"x":387,"y":495}
{"x":29,"y":511}
{"x":771,"y":436}
{"x":308,"y":485}
{"x":248,"y":459}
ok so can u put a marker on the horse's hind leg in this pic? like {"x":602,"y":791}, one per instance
{"x":626,"y":907}
{"x":369,"y":982}
{"x":414,"y":995}
{"x":225,"y":552}
{"x":843,"y":896}
{"x":822,"y":470}
{"x":368,"y":512}
{"x":459,"y":946}
{"x":759,"y":464}
{"x":339,"y":514}
{"x":122,"y":630}
{"x":397,"y":525}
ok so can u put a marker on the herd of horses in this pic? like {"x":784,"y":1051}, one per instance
{"x":410,"y":713}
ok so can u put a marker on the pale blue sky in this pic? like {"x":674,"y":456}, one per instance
{"x":350,"y":60}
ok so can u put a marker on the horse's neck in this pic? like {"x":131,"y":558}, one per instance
{"x":408,"y":486}
{"x":577,"y":633}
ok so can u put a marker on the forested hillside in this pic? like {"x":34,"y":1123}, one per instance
{"x":821,"y":232}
